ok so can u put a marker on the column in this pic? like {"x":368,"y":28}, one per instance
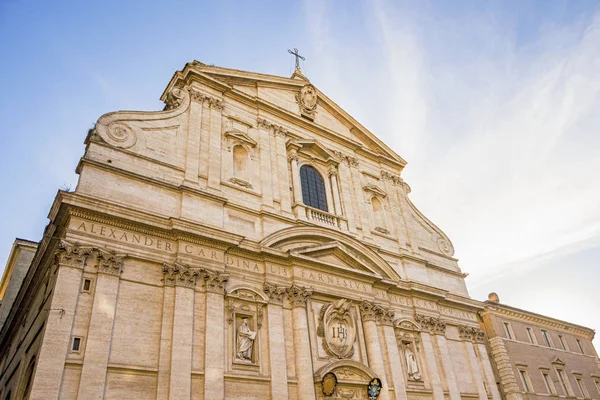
{"x":487,"y":366}
{"x":57,"y":335}
{"x":277,"y":361}
{"x":282,"y":168}
{"x":166,"y":343}
{"x":194,"y":126}
{"x":370,"y":312}
{"x":183,"y":279}
{"x":97,"y":348}
{"x":214,"y":157}
{"x":427,"y":324}
{"x":298,"y":296}
{"x":214,"y":362}
{"x":398,"y":379}
{"x":266,"y":171}
{"x":447,"y":364}
{"x":296,"y":184}
{"x":335,"y":190}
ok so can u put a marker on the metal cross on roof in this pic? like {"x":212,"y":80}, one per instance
{"x":298,"y":57}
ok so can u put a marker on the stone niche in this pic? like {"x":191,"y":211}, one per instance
{"x":408,"y":338}
{"x":245,"y":313}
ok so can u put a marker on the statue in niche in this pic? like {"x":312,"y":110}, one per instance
{"x":245,"y":341}
{"x":412,"y":368}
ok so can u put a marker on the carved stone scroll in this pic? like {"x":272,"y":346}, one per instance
{"x":110,"y":263}
{"x":73,"y":255}
{"x":298,"y":295}
{"x":275,"y":293}
{"x":215,"y":281}
{"x":432,"y":325}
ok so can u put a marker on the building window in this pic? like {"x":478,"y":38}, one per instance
{"x":580,"y":346}
{"x":530,"y":336}
{"x":546,"y":337}
{"x":313,"y":188}
{"x":76,"y":345}
{"x":563,"y":382}
{"x":508,"y":330}
{"x":240,"y":162}
{"x":562,"y":342}
{"x":86,"y":286}
{"x":525,"y":380}
{"x":582,"y":388}
{"x":548,"y":382}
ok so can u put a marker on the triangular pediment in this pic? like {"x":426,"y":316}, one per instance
{"x":280,"y":94}
{"x":557,"y":360}
{"x":374,"y":189}
{"x":313,"y":149}
{"x":335,"y":253}
{"x":241,"y":136}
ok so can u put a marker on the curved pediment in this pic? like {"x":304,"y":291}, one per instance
{"x":329,"y":247}
{"x":347,"y":370}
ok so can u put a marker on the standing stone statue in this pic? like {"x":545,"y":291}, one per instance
{"x":412,"y":367}
{"x":245,"y":341}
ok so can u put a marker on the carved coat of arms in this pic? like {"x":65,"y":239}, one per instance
{"x":307,"y":99}
{"x":337,"y":328}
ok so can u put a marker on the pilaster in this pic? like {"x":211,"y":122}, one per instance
{"x":97,"y":350}
{"x":277,"y":361}
{"x":428,"y":325}
{"x":335,"y":190}
{"x":395,"y":366}
{"x":71,"y":259}
{"x":214,"y":157}
{"x":468,"y":334}
{"x":370,"y":313}
{"x":484,"y":358}
{"x":183,"y":279}
{"x":282,"y":169}
{"x":266,"y":169}
{"x":298,"y":297}
{"x":214,"y":362}
{"x":193,"y":127}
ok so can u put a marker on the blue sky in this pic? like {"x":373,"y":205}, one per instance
{"x":494,"y":104}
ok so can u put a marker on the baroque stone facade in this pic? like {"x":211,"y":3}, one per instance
{"x":251,"y":240}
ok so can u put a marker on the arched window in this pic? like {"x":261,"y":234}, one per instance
{"x":313,"y":188}
{"x":240,"y":162}
{"x":378,"y":216}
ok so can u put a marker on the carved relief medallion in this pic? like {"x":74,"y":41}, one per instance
{"x":338,"y":329}
{"x":329,"y":384}
{"x":307,"y":99}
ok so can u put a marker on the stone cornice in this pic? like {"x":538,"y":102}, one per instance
{"x":522,"y":315}
{"x":298,"y":295}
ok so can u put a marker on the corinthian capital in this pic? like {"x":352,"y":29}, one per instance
{"x":370,"y":311}
{"x":298,"y":295}
{"x":180,"y":275}
{"x":387,"y":317}
{"x":275,"y":293}
{"x":72,"y":255}
{"x":431,"y":324}
{"x":109,"y":262}
{"x":215,"y":281}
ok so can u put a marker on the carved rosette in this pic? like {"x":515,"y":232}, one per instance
{"x":432,"y":325}
{"x":215,"y":281}
{"x":307,"y":100}
{"x":274,"y":293}
{"x":370,"y":311}
{"x":180,"y":275}
{"x":298,"y":295}
{"x":109,"y":262}
{"x":72,"y":255}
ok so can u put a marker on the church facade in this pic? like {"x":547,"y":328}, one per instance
{"x":250,"y":241}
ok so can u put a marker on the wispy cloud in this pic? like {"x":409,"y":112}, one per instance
{"x":501,"y":135}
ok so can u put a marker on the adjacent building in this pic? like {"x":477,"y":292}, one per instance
{"x":539,"y":357}
{"x":250,"y":241}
